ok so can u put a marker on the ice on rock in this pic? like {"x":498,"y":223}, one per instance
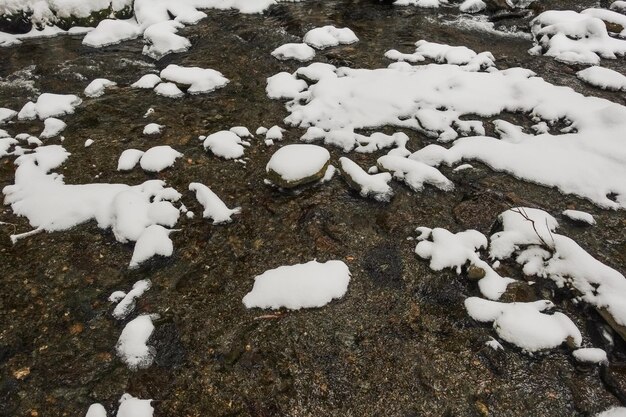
{"x":297,"y":164}
{"x":8,"y":114}
{"x":96,"y":410}
{"x":375,"y":186}
{"x":129,"y":159}
{"x":214,"y":207}
{"x":111,"y":32}
{"x":153,"y":129}
{"x":153,"y":240}
{"x":284,"y":86}
{"x":132,"y":346}
{"x":52,"y":127}
{"x":158,"y":158}
{"x":49,"y":105}
{"x":147,"y":81}
{"x":579,"y":216}
{"x":604,"y":78}
{"x":414,"y":173}
{"x":162,"y":39}
{"x":326,"y":36}
{"x":170,"y":90}
{"x":199,"y":80}
{"x":572,"y":37}
{"x":308,"y":285}
{"x":134,"y":407}
{"x":225,"y":144}
{"x":455,"y":250}
{"x":127,"y":303}
{"x":96,"y":87}
{"x":590,"y":355}
{"x":524,"y":324}
{"x":298,"y":51}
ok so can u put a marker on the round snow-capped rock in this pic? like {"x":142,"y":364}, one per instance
{"x":158,"y":158}
{"x":297,"y":164}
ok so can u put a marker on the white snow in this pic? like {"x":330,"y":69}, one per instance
{"x":494,"y":344}
{"x":546,"y":253}
{"x":573,"y":37}
{"x":414,"y":173}
{"x":579,"y":216}
{"x":96,"y":87}
{"x":375,"y":186}
{"x":158,"y":158}
{"x":590,"y":355}
{"x":524,"y":324}
{"x":241,"y":131}
{"x":111,"y":32}
{"x":261,"y":130}
{"x":609,"y":16}
{"x":153,"y":129}
{"x":134,"y":407}
{"x":297,"y":51}
{"x":214,"y":207}
{"x":147,"y":81}
{"x":170,"y":90}
{"x":618,"y":6}
{"x":52,"y":127}
{"x":472,"y":6}
{"x":89,"y":142}
{"x":603,"y":78}
{"x":199,"y":80}
{"x":49,"y":105}
{"x":225,"y":144}
{"x":442,"y":53}
{"x":295,"y":162}
{"x":326,"y":36}
{"x":162,"y":39}
{"x":8,"y":114}
{"x":428,"y":4}
{"x":454,"y":250}
{"x":126,"y":305}
{"x":96,"y":410}
{"x":284,"y":86}
{"x":129,"y":159}
{"x":153,"y":240}
{"x":308,"y":285}
{"x":274,"y":133}
{"x":132,"y":346}
{"x":613,"y":412}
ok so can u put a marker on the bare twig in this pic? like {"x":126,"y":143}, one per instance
{"x":523,"y":213}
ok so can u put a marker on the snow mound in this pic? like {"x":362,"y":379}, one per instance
{"x":162,"y":39}
{"x":579,"y":216}
{"x":472,"y":6}
{"x":225,"y":144}
{"x":96,"y":87}
{"x":284,"y":86}
{"x":375,"y":186}
{"x":297,"y":51}
{"x":590,"y":355}
{"x":147,"y":81}
{"x":324,"y":37}
{"x":613,"y":412}
{"x":455,"y":250}
{"x":132,"y":346}
{"x":170,"y":90}
{"x":158,"y":158}
{"x":129,"y":159}
{"x":126,"y":305}
{"x":575,"y":38}
{"x":111,"y":32}
{"x":427,"y":4}
{"x":214,"y":207}
{"x":297,"y":164}
{"x":52,"y":127}
{"x":96,"y":410}
{"x":134,"y":407}
{"x":446,"y":54}
{"x":8,"y":114}
{"x":199,"y":80}
{"x":524,"y":324}
{"x":153,"y":129}
{"x":308,"y":285}
{"x":414,"y":173}
{"x":603,"y":78}
{"x":153,"y":240}
{"x":49,"y":105}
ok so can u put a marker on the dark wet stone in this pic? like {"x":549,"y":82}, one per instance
{"x":475,"y":273}
{"x":384,"y":265}
{"x":170,"y":352}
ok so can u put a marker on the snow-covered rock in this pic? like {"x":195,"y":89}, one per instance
{"x":8,"y":114}
{"x":225,"y":144}
{"x":132,"y":347}
{"x":413,"y":173}
{"x":472,"y":6}
{"x":590,"y":355}
{"x":96,"y":410}
{"x":579,"y":216}
{"x":326,"y":36}
{"x":153,"y":129}
{"x":134,"y":407}
{"x":162,"y":39}
{"x":170,"y":90}
{"x":127,"y":303}
{"x":111,"y":32}
{"x":153,"y":240}
{"x":308,"y":285}
{"x":96,"y":87}
{"x":199,"y":80}
{"x":297,"y":51}
{"x":375,"y":186}
{"x":604,"y":78}
{"x":214,"y":207}
{"x":294,"y":165}
{"x":129,"y":159}
{"x":158,"y":158}
{"x":49,"y":105}
{"x":284,"y":86}
{"x":52,"y":127}
{"x":147,"y":81}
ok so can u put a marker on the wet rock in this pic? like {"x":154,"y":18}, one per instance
{"x":169,"y":348}
{"x":479,"y":212}
{"x":475,"y":273}
{"x":384,"y":265}
{"x":519,"y":292}
{"x":16,"y":23}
